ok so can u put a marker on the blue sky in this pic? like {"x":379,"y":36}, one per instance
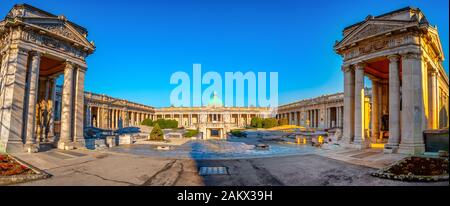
{"x":140,"y":43}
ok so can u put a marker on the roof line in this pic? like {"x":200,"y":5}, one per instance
{"x":385,"y":14}
{"x":50,"y":14}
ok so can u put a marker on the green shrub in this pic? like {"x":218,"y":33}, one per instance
{"x":270,"y":122}
{"x":156,"y":134}
{"x":256,"y":122}
{"x":167,"y":123}
{"x":147,"y":122}
{"x":191,"y":133}
{"x":238,"y":133}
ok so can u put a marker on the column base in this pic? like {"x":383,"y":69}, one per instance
{"x":80,"y":144}
{"x":412,"y":149}
{"x":11,"y":147}
{"x":390,"y":149}
{"x":66,"y":145}
{"x":31,"y":147}
{"x":361,"y":144}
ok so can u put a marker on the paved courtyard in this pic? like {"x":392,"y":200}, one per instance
{"x":120,"y":166}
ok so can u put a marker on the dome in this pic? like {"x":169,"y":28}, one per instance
{"x":215,"y":101}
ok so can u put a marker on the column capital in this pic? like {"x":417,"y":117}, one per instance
{"x":433,"y":71}
{"x":393,"y":58}
{"x":35,"y":54}
{"x":346,"y":68}
{"x":360,"y":66}
{"x":69,"y":64}
{"x":412,"y":55}
{"x":16,"y":49}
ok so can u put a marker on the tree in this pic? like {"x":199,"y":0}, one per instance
{"x":156,"y":134}
{"x":256,"y":122}
{"x":270,"y":122}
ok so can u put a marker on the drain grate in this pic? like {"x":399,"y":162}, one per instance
{"x":213,"y":171}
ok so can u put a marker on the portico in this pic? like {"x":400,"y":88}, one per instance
{"x":401,"y":54}
{"x":36,"y":48}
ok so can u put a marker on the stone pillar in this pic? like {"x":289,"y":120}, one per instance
{"x":349,"y":104}
{"x":65,"y":141}
{"x":86,"y":116}
{"x":359,"y":106}
{"x":52,"y":112}
{"x":98,"y":117}
{"x":413,"y":114}
{"x":132,"y":118}
{"x":190,"y":120}
{"x":375,"y":113}
{"x":433,"y":99}
{"x":31,"y":98}
{"x":328,"y":118}
{"x":394,"y":104}
{"x":78,"y":124}
{"x":338,"y":122}
{"x":116,"y":121}
{"x":181,"y":123}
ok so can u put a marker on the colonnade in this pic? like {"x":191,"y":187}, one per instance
{"x":107,"y":117}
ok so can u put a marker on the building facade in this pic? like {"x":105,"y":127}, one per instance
{"x":36,"y":47}
{"x":321,"y":113}
{"x":400,"y":52}
{"x":212,"y":120}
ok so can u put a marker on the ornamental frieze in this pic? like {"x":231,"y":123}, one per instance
{"x":61,"y":30}
{"x":62,"y":46}
{"x":373,"y":29}
{"x":378,"y":45}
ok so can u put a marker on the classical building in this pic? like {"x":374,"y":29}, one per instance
{"x":35,"y":48}
{"x":402,"y":55}
{"x":324,"y":112}
{"x":213,"y":120}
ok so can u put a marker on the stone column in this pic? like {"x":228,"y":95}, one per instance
{"x":31,"y":98}
{"x":316,"y":118}
{"x":65,"y":141}
{"x":181,"y":123}
{"x":190,"y":120}
{"x":433,"y":99}
{"x":394,"y":104}
{"x":359,"y":106}
{"x":349,"y":104}
{"x":413,"y":114}
{"x":98,"y":117}
{"x":117,"y":118}
{"x":12,"y":131}
{"x":375,"y":113}
{"x":338,"y":117}
{"x":78,"y":124}
{"x":52,"y":112}
{"x":328,"y":117}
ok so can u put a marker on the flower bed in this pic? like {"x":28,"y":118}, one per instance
{"x":13,"y":171}
{"x":415,"y":168}
{"x":9,"y":167}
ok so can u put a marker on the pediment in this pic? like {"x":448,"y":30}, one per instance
{"x":63,"y":30}
{"x":50,"y":24}
{"x":371,"y":28}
